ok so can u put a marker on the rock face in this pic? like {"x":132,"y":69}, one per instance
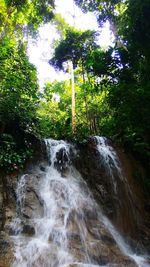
{"x":125,"y":207}
{"x":100,"y":246}
{"x":7,"y":211}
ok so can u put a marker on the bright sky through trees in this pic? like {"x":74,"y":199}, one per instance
{"x":40,"y":51}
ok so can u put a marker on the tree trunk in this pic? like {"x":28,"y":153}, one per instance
{"x":73,"y":98}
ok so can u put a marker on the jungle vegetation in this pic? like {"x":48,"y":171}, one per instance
{"x":112,"y":86}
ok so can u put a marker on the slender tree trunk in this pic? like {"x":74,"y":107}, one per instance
{"x":73,"y":98}
{"x":85,"y":98}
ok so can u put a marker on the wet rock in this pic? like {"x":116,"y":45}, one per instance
{"x":60,"y":192}
{"x":9,"y":214}
{"x":6,"y":250}
{"x":72,"y":222}
{"x":74,"y":236}
{"x":110,"y":265}
{"x":107,"y":239}
{"x":42,"y":168}
{"x":62,"y":162}
{"x":28,"y":230}
{"x":115,"y":193}
{"x":90,"y":214}
{"x":1,"y":206}
{"x":77,"y":250}
{"x":8,"y":198}
{"x":13,"y":232}
{"x":33,"y":205}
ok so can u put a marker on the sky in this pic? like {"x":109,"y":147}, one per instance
{"x":41,"y":50}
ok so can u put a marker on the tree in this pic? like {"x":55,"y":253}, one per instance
{"x":123,"y":72}
{"x":18,"y":101}
{"x":74,"y":48}
{"x":110,"y":10}
{"x":73,"y":108}
{"x":17,"y":16}
{"x":54,"y":110}
{"x":18,"y":83}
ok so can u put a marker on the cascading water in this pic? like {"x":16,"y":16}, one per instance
{"x":109,"y":159}
{"x":20,"y":192}
{"x":69,"y":228}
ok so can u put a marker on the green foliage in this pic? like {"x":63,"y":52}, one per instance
{"x":74,"y":47}
{"x":55,"y":110}
{"x":11,"y":156}
{"x":105,"y":10}
{"x":19,"y":98}
{"x":18,"y":86}
{"x":61,"y":25}
{"x":18,"y":104}
{"x":18,"y":15}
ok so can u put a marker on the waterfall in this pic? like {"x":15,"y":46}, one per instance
{"x":109,"y":159}
{"x":60,"y":224}
{"x":20,"y":192}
